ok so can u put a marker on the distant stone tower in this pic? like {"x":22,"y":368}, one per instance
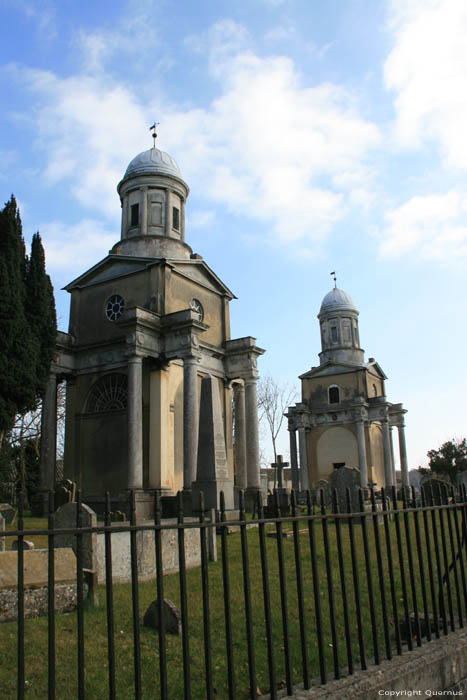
{"x":147,"y":323}
{"x":344,"y":417}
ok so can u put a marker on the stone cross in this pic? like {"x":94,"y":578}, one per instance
{"x":279,"y":466}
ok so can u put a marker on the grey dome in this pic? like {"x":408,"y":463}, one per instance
{"x":153,"y":162}
{"x":337,"y":300}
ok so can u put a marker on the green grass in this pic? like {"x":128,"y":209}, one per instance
{"x":96,"y":668}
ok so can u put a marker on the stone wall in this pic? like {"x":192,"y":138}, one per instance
{"x":145,"y":548}
{"x":36,"y":601}
{"x":438,"y":668}
{"x":35,"y":579}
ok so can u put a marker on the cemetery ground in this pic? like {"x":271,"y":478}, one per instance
{"x":334,"y":641}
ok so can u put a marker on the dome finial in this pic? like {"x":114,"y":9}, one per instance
{"x":334,"y":278}
{"x":154,"y":132}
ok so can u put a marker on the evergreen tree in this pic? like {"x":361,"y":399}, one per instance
{"x":18,"y":346}
{"x":40,"y":312}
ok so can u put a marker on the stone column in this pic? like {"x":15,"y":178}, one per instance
{"x":393,"y":462}
{"x":252,"y":439}
{"x":304,"y":483}
{"x":240,"y":437}
{"x":135,"y":422}
{"x":168,"y":218}
{"x":48,"y":439}
{"x":362,"y":454}
{"x":124,"y":217}
{"x":387,"y":453}
{"x":293,"y":459}
{"x":190,"y":420}
{"x":144,"y":211}
{"x":403,"y":456}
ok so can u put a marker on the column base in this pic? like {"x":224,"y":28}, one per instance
{"x":211,"y":491}
{"x":144,"y":504}
{"x":251,"y":499}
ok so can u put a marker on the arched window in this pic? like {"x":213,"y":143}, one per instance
{"x":108,"y":394}
{"x":375,"y":390}
{"x":334,"y":394}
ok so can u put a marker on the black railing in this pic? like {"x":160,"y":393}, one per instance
{"x":292,"y":598}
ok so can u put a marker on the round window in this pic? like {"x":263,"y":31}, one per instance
{"x":115,"y":307}
{"x":196,"y":305}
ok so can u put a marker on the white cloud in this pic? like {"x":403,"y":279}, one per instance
{"x":202,"y":218}
{"x":427,"y":69}
{"x":72,"y":249}
{"x":270,"y":146}
{"x":432,"y":227}
{"x":274,"y":149}
{"x":86,"y":130}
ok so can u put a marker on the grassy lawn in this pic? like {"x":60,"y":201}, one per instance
{"x":96,"y":667}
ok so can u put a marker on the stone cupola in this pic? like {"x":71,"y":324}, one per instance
{"x":338,"y":317}
{"x":153,"y":195}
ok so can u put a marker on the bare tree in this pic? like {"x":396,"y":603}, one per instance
{"x":26,"y":431}
{"x":274,"y":398}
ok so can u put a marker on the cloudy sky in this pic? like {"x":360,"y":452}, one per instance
{"x":315,"y":136}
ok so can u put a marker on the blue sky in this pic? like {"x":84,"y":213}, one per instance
{"x":314,"y":136}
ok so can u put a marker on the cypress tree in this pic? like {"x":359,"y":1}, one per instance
{"x":18,"y":346}
{"x":40,"y":312}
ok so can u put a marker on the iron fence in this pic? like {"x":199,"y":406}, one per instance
{"x":294,"y":599}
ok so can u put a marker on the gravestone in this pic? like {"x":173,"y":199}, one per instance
{"x":66,"y":517}
{"x":171,"y":615}
{"x":2,"y":529}
{"x":117,"y":516}
{"x":462,"y":480}
{"x":315,"y":492}
{"x":65,"y":493}
{"x":342,"y":479}
{"x":212,"y":475}
{"x":435,"y":489}
{"x":26,"y":545}
{"x":8,"y":512}
{"x":283,"y":494}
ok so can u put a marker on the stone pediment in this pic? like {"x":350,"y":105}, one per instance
{"x":375,"y":369}
{"x":200,"y":272}
{"x":109,"y":268}
{"x":330,"y":368}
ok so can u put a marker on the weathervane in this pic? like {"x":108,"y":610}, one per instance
{"x":334,"y":278}
{"x":154,"y":133}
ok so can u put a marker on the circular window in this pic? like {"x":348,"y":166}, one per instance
{"x":196,"y":305}
{"x":115,"y":307}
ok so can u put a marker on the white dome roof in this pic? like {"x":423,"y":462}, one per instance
{"x":152,"y":162}
{"x":336,"y":300}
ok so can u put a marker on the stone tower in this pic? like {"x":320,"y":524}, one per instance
{"x":147,"y":323}
{"x":344,"y":417}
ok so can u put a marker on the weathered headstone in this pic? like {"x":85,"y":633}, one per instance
{"x":27,"y":544}
{"x":62,"y":496}
{"x":462,"y":480}
{"x":212,"y":475}
{"x":322,"y":485}
{"x":342,"y":479}
{"x":435,"y":489}
{"x":65,"y":493}
{"x":8,"y":512}
{"x":66,"y":517}
{"x":117,"y":516}
{"x":171,"y":615}
{"x":2,"y":529}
